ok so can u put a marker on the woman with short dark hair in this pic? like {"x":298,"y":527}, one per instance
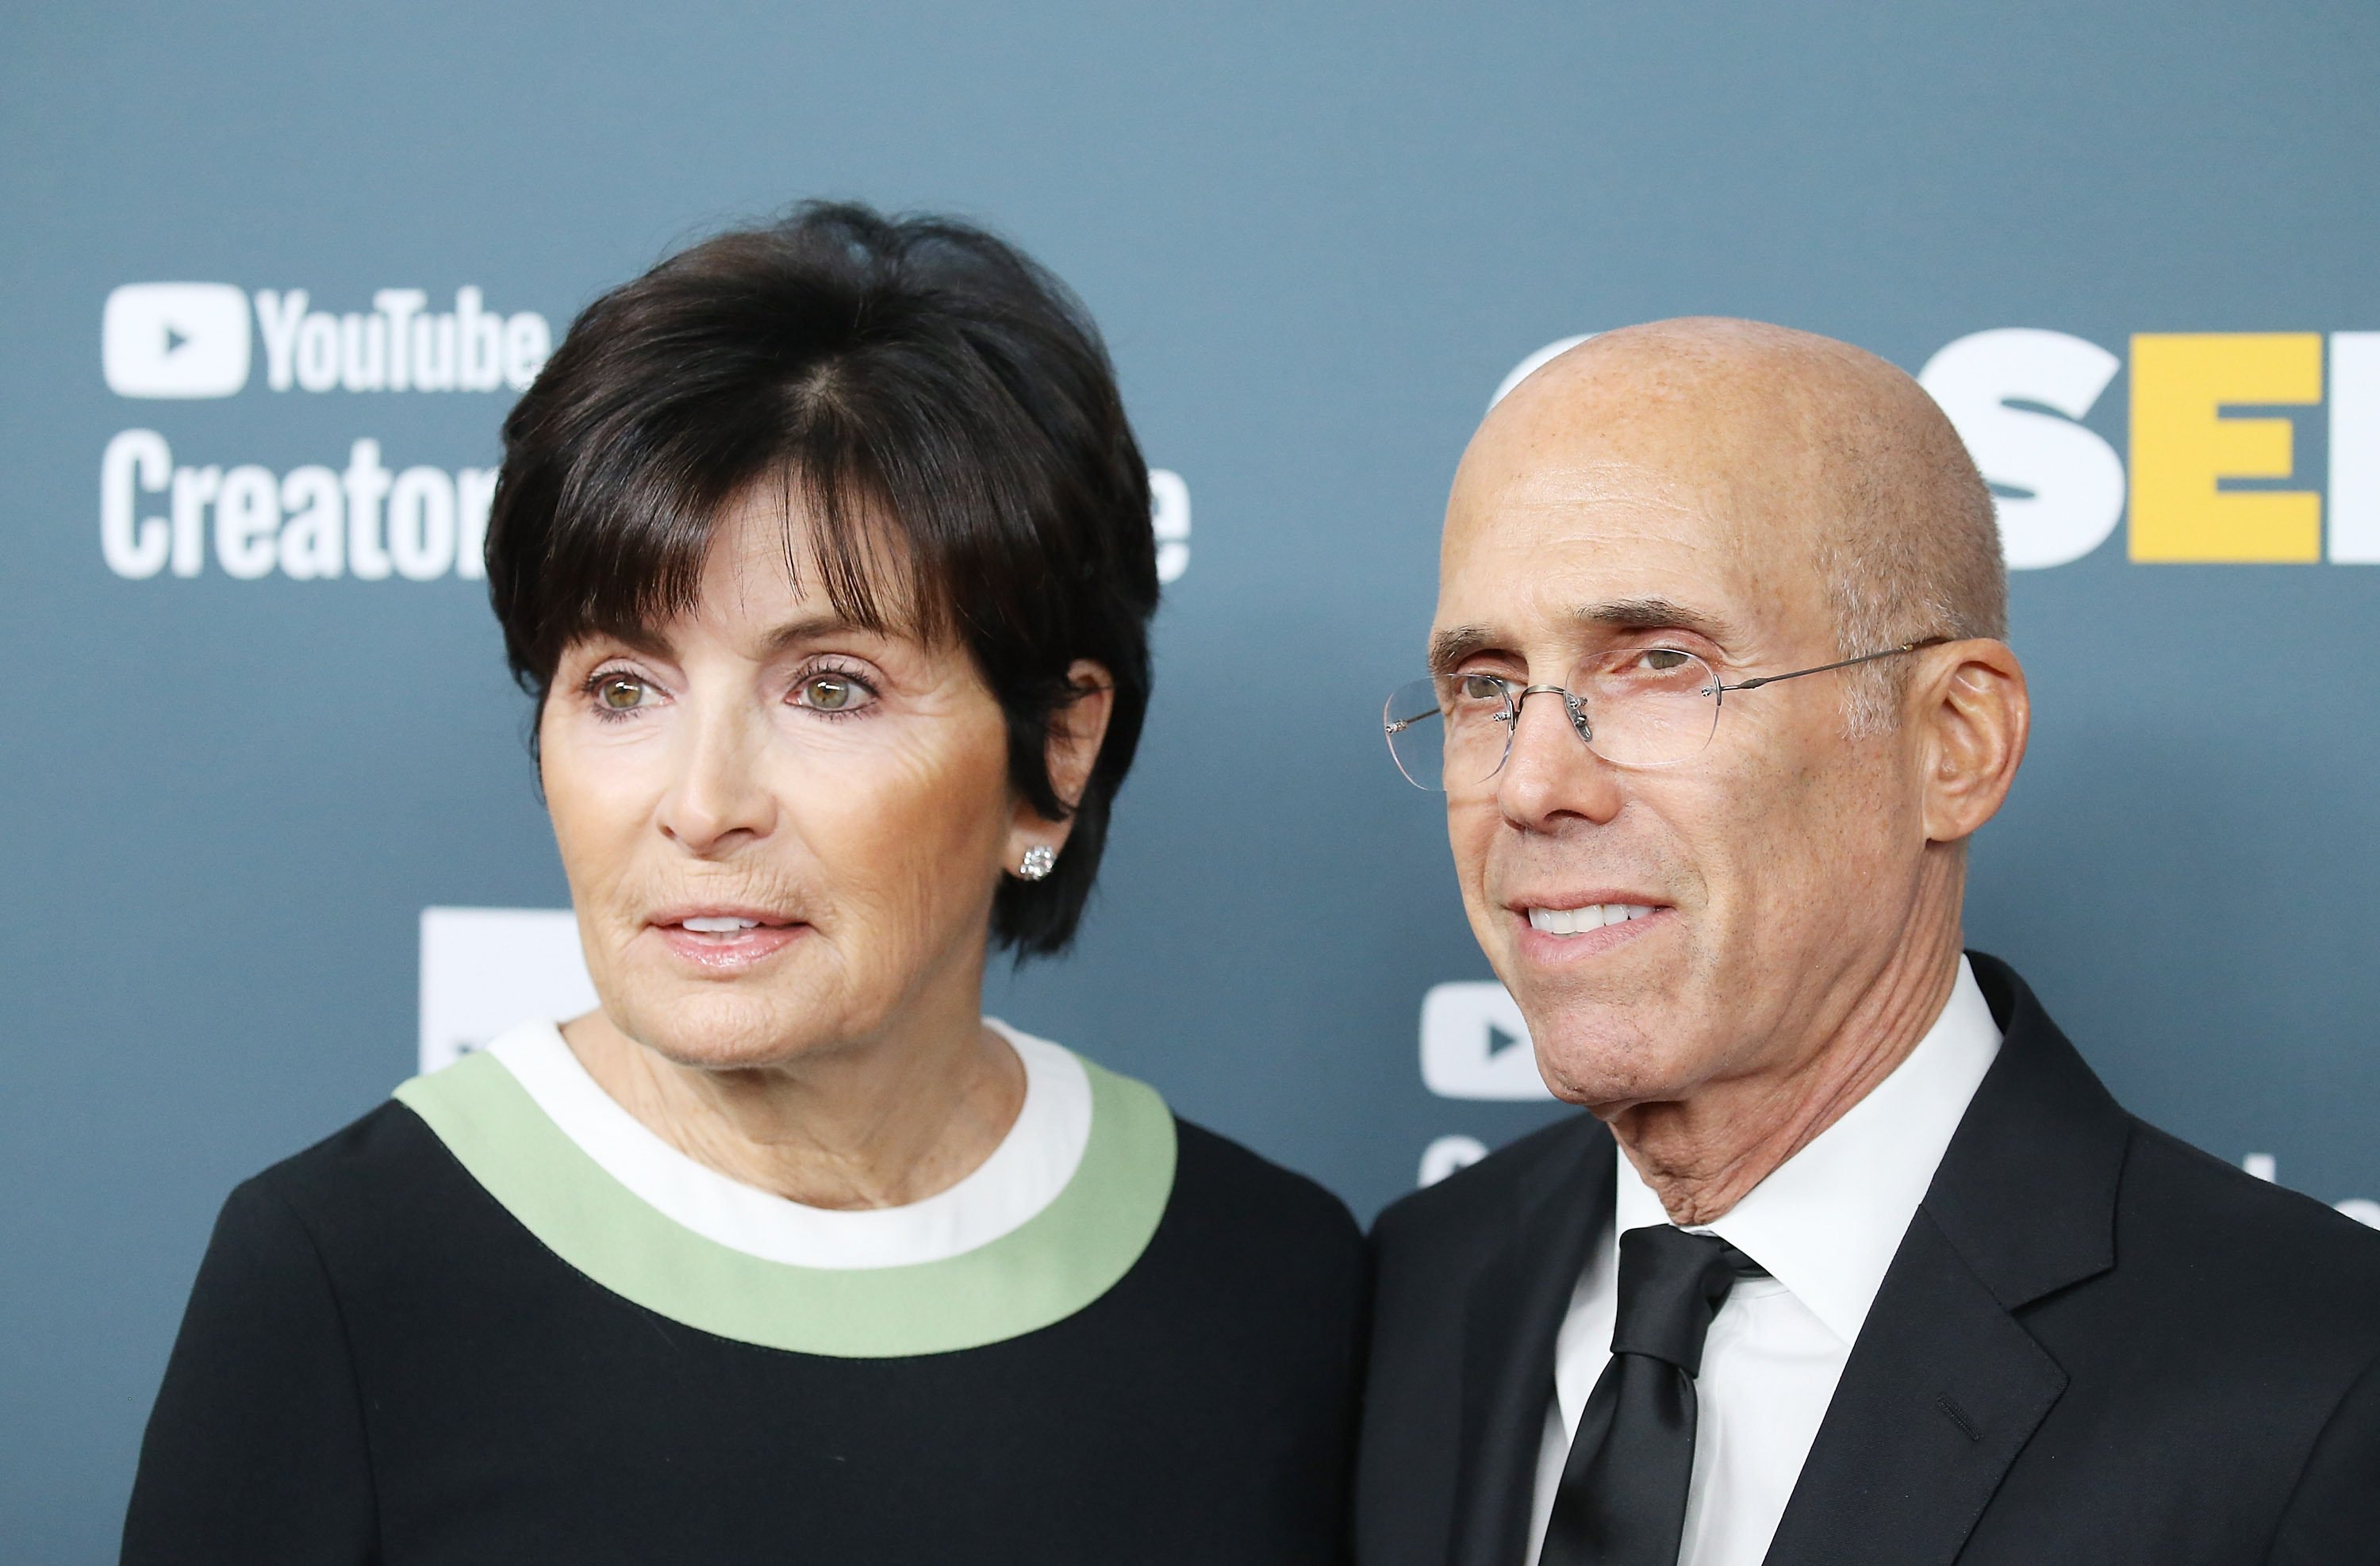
{"x":824,"y":548}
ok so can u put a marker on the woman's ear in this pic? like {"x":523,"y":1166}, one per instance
{"x":1077,"y":729}
{"x":1972,"y":715}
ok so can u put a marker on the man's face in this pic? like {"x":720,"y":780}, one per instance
{"x":1775,"y":864}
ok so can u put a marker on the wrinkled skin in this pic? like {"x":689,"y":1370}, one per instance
{"x":849,"y":788}
{"x":1656,"y":487}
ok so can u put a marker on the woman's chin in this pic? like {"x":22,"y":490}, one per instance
{"x":714,"y":1028}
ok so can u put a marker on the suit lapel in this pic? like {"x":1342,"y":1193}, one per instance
{"x":1513,"y":1314}
{"x":1945,"y":1386}
{"x":1941,"y":1394}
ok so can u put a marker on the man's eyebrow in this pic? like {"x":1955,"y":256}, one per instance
{"x":1451,"y":646}
{"x":1651,"y":614}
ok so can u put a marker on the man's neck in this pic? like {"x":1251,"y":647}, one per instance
{"x":1704,"y":1153}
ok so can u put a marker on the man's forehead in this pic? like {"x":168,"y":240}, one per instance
{"x":1715,"y":464}
{"x":1540,"y":473}
{"x":1594,"y":520}
{"x":1721,"y":419}
{"x":1587,"y":500}
{"x":1547,"y":546}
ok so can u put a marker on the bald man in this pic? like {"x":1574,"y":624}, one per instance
{"x":1851,"y":1260}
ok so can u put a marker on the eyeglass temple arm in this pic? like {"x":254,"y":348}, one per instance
{"x":1843,"y":663}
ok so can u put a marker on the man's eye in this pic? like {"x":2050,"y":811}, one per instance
{"x":1661,"y":660}
{"x":620,"y":693}
{"x":1478,"y":687}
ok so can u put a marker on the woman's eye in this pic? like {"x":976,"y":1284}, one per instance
{"x":620,"y":693}
{"x":831,"y":693}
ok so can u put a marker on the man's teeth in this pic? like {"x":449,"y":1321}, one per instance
{"x":721,"y":926}
{"x":1578,"y":922}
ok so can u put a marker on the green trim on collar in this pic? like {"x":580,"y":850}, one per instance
{"x":1052,"y":1266}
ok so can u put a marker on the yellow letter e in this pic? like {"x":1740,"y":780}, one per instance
{"x":2183,"y":446}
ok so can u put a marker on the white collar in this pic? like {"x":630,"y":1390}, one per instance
{"x":1023,"y":1175}
{"x":1826,"y":1222}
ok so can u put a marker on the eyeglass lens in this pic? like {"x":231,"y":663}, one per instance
{"x":1634,"y":707}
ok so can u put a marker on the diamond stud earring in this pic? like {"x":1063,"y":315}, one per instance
{"x":1039,"y":860}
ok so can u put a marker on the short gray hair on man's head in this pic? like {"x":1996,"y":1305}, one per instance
{"x":1912,"y":550}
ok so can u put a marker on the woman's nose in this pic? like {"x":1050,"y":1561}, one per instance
{"x":717,"y":797}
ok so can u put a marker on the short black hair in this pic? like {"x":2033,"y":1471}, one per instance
{"x":915,"y":373}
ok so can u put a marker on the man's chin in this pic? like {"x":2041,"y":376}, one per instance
{"x":1608,"y":1060}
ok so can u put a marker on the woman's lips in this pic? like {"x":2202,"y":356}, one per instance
{"x":703,"y":943}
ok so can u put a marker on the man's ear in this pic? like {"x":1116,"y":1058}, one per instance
{"x":1076,"y":730}
{"x":1972,"y":716}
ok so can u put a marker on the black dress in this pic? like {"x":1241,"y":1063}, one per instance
{"x":445,"y":1335}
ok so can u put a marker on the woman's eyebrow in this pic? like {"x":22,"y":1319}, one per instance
{"x":807,"y":627}
{"x":649,"y":641}
{"x":810,"y":628}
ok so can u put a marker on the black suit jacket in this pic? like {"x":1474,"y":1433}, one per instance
{"x":2095,"y":1345}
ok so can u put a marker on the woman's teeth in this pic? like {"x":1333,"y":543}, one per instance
{"x":721,"y":926}
{"x":1578,"y":922}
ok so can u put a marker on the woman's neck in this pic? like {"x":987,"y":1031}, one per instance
{"x":877,"y":1124}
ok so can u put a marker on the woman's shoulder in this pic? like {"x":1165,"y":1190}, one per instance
{"x":383,"y":1184}
{"x":1207,"y":1170}
{"x":1261,"y":1254}
{"x":1259,"y":1204}
{"x":386,"y":1149}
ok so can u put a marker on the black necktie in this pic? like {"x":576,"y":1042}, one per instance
{"x":1622,"y":1498}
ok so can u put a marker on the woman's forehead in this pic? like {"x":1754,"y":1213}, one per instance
{"x":768,"y":563}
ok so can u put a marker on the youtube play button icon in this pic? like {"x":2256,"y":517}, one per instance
{"x":174,"y":340}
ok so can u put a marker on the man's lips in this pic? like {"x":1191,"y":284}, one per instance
{"x":1579,"y":918}
{"x":1578,"y":926}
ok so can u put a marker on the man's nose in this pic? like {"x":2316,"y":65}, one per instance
{"x":717,"y":797}
{"x":1549,"y":772}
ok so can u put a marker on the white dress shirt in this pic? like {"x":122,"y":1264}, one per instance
{"x":1826,"y":1225}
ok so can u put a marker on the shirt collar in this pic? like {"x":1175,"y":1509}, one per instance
{"x":1826,"y":1222}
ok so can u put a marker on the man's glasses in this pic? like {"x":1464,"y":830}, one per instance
{"x":1632,"y":705}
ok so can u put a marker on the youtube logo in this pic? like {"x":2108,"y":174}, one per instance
{"x":174,"y":340}
{"x":1474,"y":1044}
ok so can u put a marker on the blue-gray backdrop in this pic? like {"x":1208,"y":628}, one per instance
{"x":257,"y":720}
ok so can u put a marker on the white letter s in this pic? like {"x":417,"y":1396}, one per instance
{"x":2075,"y":479}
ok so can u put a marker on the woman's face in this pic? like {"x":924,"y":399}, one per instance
{"x":783,"y":832}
